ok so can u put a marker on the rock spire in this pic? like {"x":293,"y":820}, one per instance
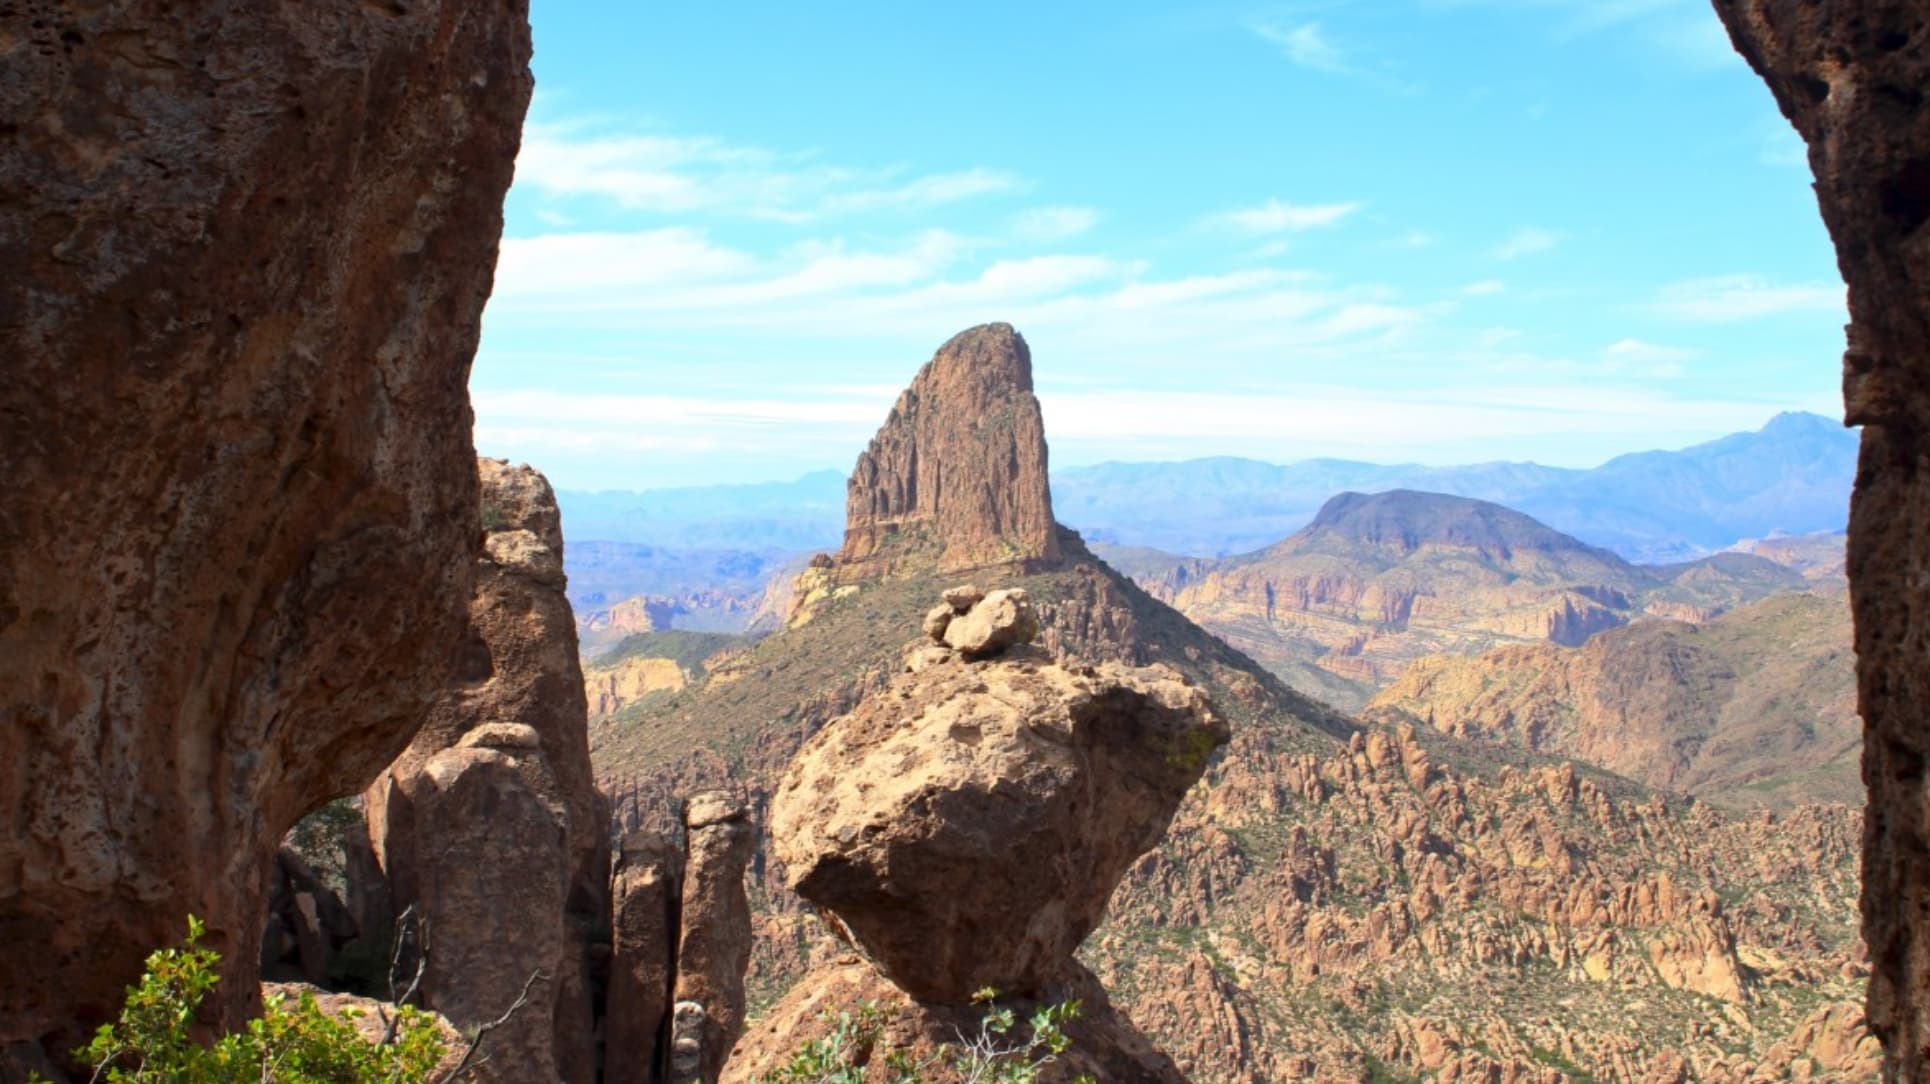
{"x":956,"y":478}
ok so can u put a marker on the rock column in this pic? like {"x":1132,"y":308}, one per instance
{"x":714,"y":937}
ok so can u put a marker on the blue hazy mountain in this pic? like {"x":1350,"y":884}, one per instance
{"x":1792,"y":476}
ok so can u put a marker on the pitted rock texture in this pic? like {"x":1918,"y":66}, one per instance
{"x":247,"y":250}
{"x":968,"y":825}
{"x":1853,"y":77}
{"x":518,"y":693}
{"x":956,"y":478}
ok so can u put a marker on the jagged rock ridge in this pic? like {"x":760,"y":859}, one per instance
{"x":247,"y":251}
{"x":956,"y":478}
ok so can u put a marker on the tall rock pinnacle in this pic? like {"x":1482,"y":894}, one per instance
{"x":956,"y":478}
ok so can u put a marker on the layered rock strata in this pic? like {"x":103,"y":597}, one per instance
{"x":1853,"y":77}
{"x":488,"y":824}
{"x":247,"y":250}
{"x":956,"y":477}
{"x":965,"y":828}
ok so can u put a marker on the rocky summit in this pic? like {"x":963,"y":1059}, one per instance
{"x":956,"y":478}
{"x":1377,"y":581}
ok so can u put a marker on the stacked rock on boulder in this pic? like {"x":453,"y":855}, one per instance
{"x":965,"y":829}
{"x":247,"y":248}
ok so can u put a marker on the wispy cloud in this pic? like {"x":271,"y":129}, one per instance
{"x":1309,"y":46}
{"x":1306,"y":45}
{"x":1730,"y":298}
{"x":682,"y":175}
{"x":1273,"y":216}
{"x":1484,"y":288}
{"x":1526,"y":242}
{"x":1054,"y":223}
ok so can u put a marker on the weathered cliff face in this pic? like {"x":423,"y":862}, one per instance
{"x":956,"y":478}
{"x":247,"y":249}
{"x":509,"y":735}
{"x":1853,"y":77}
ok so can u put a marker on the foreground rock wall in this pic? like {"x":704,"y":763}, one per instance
{"x":247,"y":250}
{"x":1853,"y":76}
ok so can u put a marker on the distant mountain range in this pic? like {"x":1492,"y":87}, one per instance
{"x":1376,"y":581}
{"x":1790,"y":477}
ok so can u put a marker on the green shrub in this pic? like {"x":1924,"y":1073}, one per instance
{"x":1003,"y":1051}
{"x":152,"y":1042}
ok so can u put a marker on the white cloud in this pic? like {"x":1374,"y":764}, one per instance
{"x":1054,"y":223}
{"x":684,"y":175}
{"x":1526,"y":242}
{"x":1484,"y":288}
{"x":679,"y":270}
{"x":573,"y":262}
{"x":1307,"y":46}
{"x":1729,"y":298}
{"x":1639,"y":358}
{"x":1274,"y":216}
{"x":1380,"y":425}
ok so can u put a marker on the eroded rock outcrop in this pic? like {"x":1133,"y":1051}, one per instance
{"x":247,"y":250}
{"x":956,"y":478}
{"x":489,"y":823}
{"x":1853,"y":77}
{"x":966,"y":827}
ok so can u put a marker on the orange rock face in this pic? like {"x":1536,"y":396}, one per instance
{"x":1853,"y":76}
{"x":247,"y":249}
{"x":956,"y":478}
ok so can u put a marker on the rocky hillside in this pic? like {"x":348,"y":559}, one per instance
{"x":1336,"y":902}
{"x":1757,"y":707}
{"x":1377,"y":581}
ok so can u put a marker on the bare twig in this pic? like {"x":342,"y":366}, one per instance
{"x":475,"y":1044}
{"x":390,"y":1023}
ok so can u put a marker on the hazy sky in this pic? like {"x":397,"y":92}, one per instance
{"x":1434,"y":230}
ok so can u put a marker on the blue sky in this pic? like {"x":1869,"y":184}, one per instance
{"x":1428,"y":230}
